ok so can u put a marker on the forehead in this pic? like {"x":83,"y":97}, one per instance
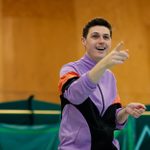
{"x":99,"y":29}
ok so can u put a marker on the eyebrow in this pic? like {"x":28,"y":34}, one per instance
{"x":99,"y":33}
{"x":94,"y":33}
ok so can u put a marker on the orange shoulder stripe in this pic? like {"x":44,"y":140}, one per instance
{"x":65,"y":78}
{"x":117,"y":99}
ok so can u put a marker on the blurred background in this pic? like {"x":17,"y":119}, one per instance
{"x":38,"y":36}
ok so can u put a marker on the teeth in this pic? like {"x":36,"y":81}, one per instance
{"x":100,"y":48}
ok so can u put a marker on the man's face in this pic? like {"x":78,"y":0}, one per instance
{"x":98,"y":42}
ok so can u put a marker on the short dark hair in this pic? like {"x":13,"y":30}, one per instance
{"x":96,"y":22}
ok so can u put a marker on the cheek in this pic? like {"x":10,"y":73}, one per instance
{"x":88,"y":45}
{"x":109,"y":44}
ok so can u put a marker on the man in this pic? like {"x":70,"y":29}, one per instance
{"x":91,"y":108}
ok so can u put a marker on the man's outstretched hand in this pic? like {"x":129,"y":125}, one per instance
{"x":135,"y":109}
{"x":132,"y":109}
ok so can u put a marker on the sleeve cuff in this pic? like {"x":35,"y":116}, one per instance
{"x":88,"y":81}
{"x":118,"y":125}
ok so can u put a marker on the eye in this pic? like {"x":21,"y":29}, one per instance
{"x":95,"y":36}
{"x":106,"y":37}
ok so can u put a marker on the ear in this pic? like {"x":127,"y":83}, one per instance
{"x":83,"y":41}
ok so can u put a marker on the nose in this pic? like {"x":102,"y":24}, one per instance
{"x":101,"y":39}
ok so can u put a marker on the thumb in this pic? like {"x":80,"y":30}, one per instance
{"x":119,"y":46}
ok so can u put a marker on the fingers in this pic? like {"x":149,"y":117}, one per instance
{"x":136,"y":105}
{"x":119,"y":46}
{"x":119,"y":52}
{"x":116,"y":56}
{"x":138,"y":112}
{"x":141,"y":106}
{"x":119,"y":57}
{"x":123,"y":55}
{"x":136,"y":109}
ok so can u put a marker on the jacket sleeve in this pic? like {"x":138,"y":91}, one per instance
{"x":77,"y":90}
{"x":118,"y":125}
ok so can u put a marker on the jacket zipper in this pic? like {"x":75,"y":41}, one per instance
{"x":103,"y":102}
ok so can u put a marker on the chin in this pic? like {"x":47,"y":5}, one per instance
{"x":101,"y":56}
{"x":98,"y":59}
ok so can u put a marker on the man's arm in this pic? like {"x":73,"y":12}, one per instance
{"x":133,"y":109}
{"x":116,"y":56}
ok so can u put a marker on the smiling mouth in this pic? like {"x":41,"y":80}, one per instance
{"x":101,"y":49}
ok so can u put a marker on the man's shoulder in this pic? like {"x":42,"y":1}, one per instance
{"x":109,"y":73}
{"x":69,"y":67}
{"x":71,"y":64}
